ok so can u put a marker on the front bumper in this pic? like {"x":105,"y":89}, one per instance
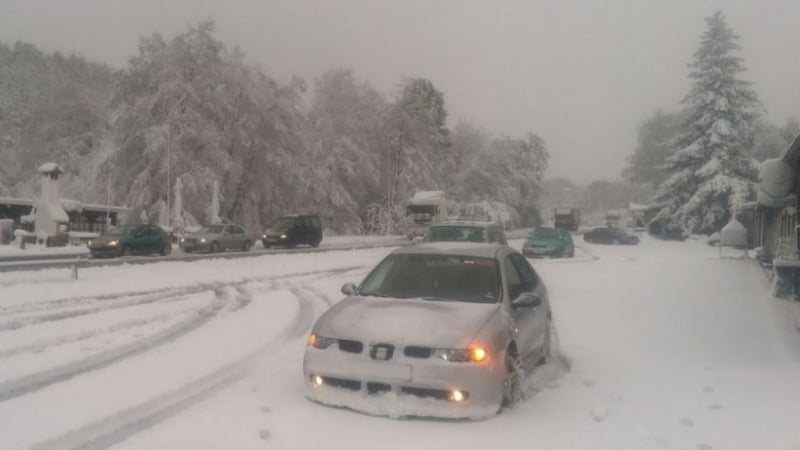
{"x":540,"y":252}
{"x":105,"y":252}
{"x":197,"y":246}
{"x":404,"y":386}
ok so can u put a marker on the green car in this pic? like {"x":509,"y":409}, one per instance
{"x":549,"y":242}
{"x":127,"y":240}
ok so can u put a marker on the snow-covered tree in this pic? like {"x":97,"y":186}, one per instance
{"x":711,"y":171}
{"x":412,"y":155}
{"x":655,"y":140}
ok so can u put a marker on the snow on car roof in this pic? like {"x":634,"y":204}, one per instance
{"x":473,"y":249}
{"x":464,"y":222}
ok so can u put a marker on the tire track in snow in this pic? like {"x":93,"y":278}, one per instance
{"x":118,"y":427}
{"x":33,"y":382}
{"x":24,"y":321}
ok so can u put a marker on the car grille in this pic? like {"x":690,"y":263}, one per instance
{"x":342,"y":383}
{"x":439,"y":394}
{"x":349,"y":346}
{"x":418,"y":352}
{"x":190,"y":241}
{"x":381,"y":352}
{"x":378,"y":388}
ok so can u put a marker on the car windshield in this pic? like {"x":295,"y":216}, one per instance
{"x":211,"y":229}
{"x":435,"y":277}
{"x":454,"y":233}
{"x":284,"y":222}
{"x":545,"y":233}
{"x":121,"y":230}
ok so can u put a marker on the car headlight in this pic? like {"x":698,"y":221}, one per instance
{"x":113,"y":243}
{"x":283,"y":236}
{"x":320,"y":342}
{"x":263,"y":236}
{"x":89,"y":243}
{"x":473,"y":354}
{"x":203,"y":240}
{"x":183,"y":239}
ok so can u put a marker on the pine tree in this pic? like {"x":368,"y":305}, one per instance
{"x":711,"y":172}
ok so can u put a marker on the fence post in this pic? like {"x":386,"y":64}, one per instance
{"x":75,"y":268}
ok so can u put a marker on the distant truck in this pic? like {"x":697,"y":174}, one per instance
{"x":424,"y":209}
{"x":567,"y":218}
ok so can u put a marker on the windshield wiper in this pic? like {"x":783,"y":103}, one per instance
{"x":437,"y":299}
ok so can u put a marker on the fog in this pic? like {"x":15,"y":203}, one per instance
{"x":581,"y":73}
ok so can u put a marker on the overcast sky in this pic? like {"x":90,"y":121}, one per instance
{"x":581,"y":73}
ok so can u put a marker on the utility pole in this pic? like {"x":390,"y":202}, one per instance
{"x":169,"y":175}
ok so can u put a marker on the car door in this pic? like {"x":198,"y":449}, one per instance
{"x":225,"y":238}
{"x":237,"y":237}
{"x":524,"y":318}
{"x":532,"y":322}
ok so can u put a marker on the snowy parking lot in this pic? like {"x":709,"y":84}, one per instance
{"x":662,"y":345}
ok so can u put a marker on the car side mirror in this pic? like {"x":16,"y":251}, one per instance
{"x":527,"y":300}
{"x":349,"y":289}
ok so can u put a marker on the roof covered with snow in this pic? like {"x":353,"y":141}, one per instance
{"x":49,"y":167}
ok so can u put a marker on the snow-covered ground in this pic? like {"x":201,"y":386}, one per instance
{"x":663,"y":345}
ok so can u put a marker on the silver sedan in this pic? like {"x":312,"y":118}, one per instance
{"x":216,"y":238}
{"x":436,"y":330}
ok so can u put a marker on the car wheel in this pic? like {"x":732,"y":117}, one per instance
{"x":315,"y":244}
{"x":127,"y":251}
{"x":547,"y":345}
{"x":512,"y":382}
{"x":214,"y":247}
{"x":165,"y":249}
{"x":246,"y":246}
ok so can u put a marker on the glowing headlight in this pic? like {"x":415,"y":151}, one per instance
{"x":283,"y":236}
{"x":474,"y":354}
{"x":89,"y":243}
{"x":113,"y":243}
{"x":317,"y":341}
{"x":203,"y":240}
{"x":263,"y":236}
{"x":183,"y":240}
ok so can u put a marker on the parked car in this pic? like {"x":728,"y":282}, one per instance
{"x":448,"y":329}
{"x":466,"y":231}
{"x":216,"y":238}
{"x":135,"y":239}
{"x":293,"y":230}
{"x":605,"y":235}
{"x":549,"y":242}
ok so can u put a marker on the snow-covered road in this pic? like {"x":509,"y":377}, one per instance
{"x":663,"y":345}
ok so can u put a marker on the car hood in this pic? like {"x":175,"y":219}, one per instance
{"x":208,"y":236}
{"x":105,"y":239}
{"x":439,"y":324}
{"x":548,"y":242}
{"x":276,"y":230}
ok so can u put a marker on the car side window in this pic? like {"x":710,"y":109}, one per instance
{"x":316,"y":223}
{"x":526,"y":273}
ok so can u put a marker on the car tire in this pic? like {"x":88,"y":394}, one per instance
{"x":214,"y":247}
{"x":547,"y":345}
{"x":246,"y":246}
{"x":315,"y":244}
{"x":165,"y":249}
{"x":512,"y":381}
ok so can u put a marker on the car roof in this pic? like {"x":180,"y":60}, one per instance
{"x":473,"y":249}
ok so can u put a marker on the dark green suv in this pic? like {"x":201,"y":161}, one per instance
{"x":293,"y":230}
{"x":127,"y":240}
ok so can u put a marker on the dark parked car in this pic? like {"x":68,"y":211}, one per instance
{"x":610,"y":236}
{"x":466,"y":231}
{"x":293,"y":230}
{"x":215,"y":238}
{"x":126,"y":240}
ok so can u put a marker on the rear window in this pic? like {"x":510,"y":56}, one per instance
{"x":455,"y":234}
{"x":546,"y":233}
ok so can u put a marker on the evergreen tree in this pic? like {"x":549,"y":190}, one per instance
{"x":711,"y":172}
{"x":655,"y":138}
